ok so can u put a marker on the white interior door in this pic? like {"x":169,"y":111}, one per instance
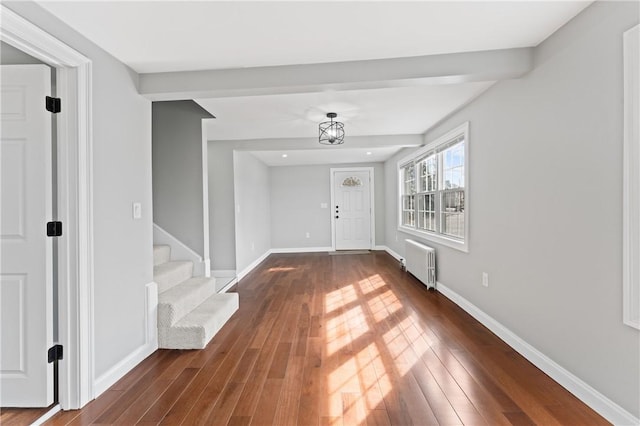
{"x":352,"y":209}
{"x":26,"y":318}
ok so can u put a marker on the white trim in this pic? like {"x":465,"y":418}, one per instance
{"x":393,"y":254}
{"x":226,"y":274}
{"x":179,"y":251}
{"x":75,"y":202}
{"x":205,"y":198}
{"x":594,"y":399}
{"x":223,"y":272}
{"x":301,"y":249}
{"x":252,"y":265}
{"x":119,"y":370}
{"x":46,"y":416}
{"x":151,"y":318}
{"x":230,"y":284}
{"x":434,"y":236}
{"x":106,"y":380}
{"x":631,"y":181}
{"x":372,"y":207}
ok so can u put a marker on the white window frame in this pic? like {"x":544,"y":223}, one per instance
{"x":631,"y":181}
{"x":436,"y":236}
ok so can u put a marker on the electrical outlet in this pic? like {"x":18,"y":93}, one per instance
{"x":308,"y":235}
{"x":485,"y":279}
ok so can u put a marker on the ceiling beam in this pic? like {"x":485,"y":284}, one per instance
{"x":489,"y":65}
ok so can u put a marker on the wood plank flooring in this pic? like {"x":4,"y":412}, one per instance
{"x":338,"y":340}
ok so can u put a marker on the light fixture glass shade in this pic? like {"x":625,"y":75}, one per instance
{"x":331,"y":132}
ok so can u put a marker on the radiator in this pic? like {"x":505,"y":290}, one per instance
{"x":421,"y":262}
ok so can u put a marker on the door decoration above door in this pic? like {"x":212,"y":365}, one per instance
{"x":352,"y":181}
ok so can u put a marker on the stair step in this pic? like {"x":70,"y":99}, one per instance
{"x":169,"y":274}
{"x":161,"y":254}
{"x":196,"y":329}
{"x":179,"y":300}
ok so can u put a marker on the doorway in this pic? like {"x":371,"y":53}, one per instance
{"x":352,"y":215}
{"x":74,"y":200}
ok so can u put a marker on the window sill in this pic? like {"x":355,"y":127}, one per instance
{"x":438,"y":239}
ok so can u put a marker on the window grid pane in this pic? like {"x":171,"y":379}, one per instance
{"x":452,"y":214}
{"x":453,"y":166}
{"x":426,"y":212}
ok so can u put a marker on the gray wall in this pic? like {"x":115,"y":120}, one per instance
{"x":253,"y":230}
{"x":177,"y":170}
{"x":222,"y":226}
{"x":122,"y":175}
{"x":296,"y":193}
{"x":546,"y":204}
{"x":221,"y":180}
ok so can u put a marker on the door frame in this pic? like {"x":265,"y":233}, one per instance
{"x":372,"y":220}
{"x":75,"y":202}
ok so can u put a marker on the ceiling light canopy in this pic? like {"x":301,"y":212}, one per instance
{"x":331,"y":132}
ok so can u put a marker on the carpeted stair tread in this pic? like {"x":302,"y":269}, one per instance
{"x":169,"y":274}
{"x":199,"y":326}
{"x":161,"y":254}
{"x":179,"y":300}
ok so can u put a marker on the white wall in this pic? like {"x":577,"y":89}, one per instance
{"x":177,"y":170}
{"x":296,"y":194}
{"x":546,"y":204}
{"x":253,"y":230}
{"x":122,"y":175}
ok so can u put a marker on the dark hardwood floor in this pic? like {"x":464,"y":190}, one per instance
{"x":339,"y":340}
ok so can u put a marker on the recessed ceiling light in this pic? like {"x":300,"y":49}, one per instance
{"x":368,"y":152}
{"x":284,"y":155}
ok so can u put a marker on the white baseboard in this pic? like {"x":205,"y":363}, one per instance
{"x":46,"y":416}
{"x":119,"y":370}
{"x":223,"y":272}
{"x":391,"y":252}
{"x":228,"y":286}
{"x":106,"y":380}
{"x":252,"y":265}
{"x":300,"y":249}
{"x":179,"y":251}
{"x":594,"y":399}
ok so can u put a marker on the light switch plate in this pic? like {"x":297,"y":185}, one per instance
{"x":324,"y":205}
{"x":137,"y":210}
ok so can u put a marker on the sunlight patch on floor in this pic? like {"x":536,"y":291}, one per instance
{"x":364,"y":317}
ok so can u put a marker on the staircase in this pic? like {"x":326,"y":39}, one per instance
{"x":190,"y":312}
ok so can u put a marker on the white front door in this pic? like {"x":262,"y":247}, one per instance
{"x":352,"y":209}
{"x":26,"y":301}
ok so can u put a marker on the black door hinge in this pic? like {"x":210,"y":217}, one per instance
{"x":53,"y":105}
{"x":54,"y":229}
{"x":54,"y":353}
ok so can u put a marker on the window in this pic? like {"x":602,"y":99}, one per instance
{"x":433,"y":190}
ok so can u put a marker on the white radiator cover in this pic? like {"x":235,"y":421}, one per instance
{"x":421,"y":262}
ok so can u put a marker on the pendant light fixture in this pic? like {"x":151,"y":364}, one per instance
{"x":331,"y":132}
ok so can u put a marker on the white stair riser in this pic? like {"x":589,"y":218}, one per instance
{"x":178,"y":301}
{"x":172,"y":273}
{"x":161,"y":254}
{"x":196,"y":329}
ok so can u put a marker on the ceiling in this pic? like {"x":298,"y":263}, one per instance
{"x":179,"y":36}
